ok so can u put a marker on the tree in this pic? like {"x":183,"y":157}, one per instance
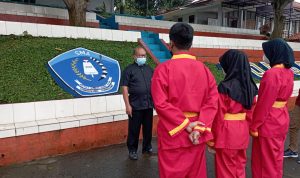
{"x":77,"y":12}
{"x":278,"y":7}
{"x":170,"y":4}
{"x":148,"y":7}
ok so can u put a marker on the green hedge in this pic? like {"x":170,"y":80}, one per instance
{"x":23,"y":73}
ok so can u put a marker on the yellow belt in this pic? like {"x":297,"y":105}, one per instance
{"x":279,"y":104}
{"x":195,"y":114}
{"x":235,"y":117}
{"x":190,"y":114}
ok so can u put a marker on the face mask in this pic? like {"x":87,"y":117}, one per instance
{"x":140,"y":61}
{"x":265,"y":59}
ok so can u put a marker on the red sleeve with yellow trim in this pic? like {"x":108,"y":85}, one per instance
{"x":209,"y":107}
{"x":267,"y":95}
{"x":173,"y":118}
{"x":218,"y":121}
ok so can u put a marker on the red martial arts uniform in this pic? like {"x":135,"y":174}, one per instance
{"x":183,"y":91}
{"x":271,"y":122}
{"x":231,"y":136}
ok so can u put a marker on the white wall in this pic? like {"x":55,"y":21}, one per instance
{"x":39,"y":11}
{"x":91,"y":5}
{"x":17,"y":28}
{"x":228,"y":43}
{"x":131,"y":21}
{"x":203,"y":16}
{"x":37,"y":117}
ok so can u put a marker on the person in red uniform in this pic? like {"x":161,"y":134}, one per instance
{"x":237,"y":94}
{"x":270,"y":117}
{"x":185,"y":97}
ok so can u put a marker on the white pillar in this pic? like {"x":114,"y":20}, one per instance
{"x":245,"y":15}
{"x":257,"y":24}
{"x":241,"y":18}
{"x":220,"y":16}
{"x":291,"y":28}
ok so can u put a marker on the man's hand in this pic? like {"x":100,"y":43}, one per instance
{"x":191,"y":126}
{"x":211,"y":150}
{"x":194,"y":137}
{"x":129,"y":110}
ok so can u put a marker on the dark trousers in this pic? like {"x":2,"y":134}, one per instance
{"x":140,"y":117}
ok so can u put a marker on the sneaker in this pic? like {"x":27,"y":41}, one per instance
{"x":149,"y":152}
{"x":133,"y":155}
{"x":290,"y":154}
{"x":298,"y":160}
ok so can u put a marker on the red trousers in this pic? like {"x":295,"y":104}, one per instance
{"x":267,"y":157}
{"x":230,"y":163}
{"x":182,"y":162}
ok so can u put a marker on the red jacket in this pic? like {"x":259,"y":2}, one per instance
{"x":231,"y":133}
{"x":180,"y":85}
{"x":271,"y":117}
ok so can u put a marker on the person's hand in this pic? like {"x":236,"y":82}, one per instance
{"x":129,"y":110}
{"x":191,"y":126}
{"x":211,"y":150}
{"x":194,"y":137}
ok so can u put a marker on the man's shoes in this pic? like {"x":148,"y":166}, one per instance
{"x":133,"y":155}
{"x":290,"y":154}
{"x":149,"y":152}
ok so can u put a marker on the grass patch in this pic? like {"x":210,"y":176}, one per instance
{"x":23,"y":73}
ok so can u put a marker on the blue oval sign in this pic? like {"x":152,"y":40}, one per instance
{"x":83,"y":72}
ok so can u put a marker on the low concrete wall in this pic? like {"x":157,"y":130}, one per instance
{"x":141,"y":22}
{"x":39,"y":11}
{"x":17,"y":28}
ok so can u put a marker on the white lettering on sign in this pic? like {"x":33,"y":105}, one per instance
{"x":82,"y":53}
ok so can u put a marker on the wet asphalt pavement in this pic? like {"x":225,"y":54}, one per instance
{"x":109,"y":162}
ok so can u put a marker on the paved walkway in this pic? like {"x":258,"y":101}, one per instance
{"x":108,"y":162}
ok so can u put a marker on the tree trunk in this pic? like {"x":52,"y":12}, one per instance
{"x":278,"y":7}
{"x":77,"y":12}
{"x":122,"y":8}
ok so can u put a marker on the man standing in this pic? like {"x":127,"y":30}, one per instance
{"x":136,"y":83}
{"x":185,"y":97}
{"x":292,"y":151}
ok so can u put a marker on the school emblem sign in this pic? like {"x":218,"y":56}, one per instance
{"x":83,"y":72}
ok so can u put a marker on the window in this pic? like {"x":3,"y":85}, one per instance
{"x":250,"y":15}
{"x":191,"y":19}
{"x":179,"y":19}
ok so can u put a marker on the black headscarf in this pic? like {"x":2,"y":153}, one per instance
{"x":279,"y":52}
{"x":238,"y":83}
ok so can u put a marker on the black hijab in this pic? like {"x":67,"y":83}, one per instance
{"x":238,"y":83}
{"x":279,"y":52}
